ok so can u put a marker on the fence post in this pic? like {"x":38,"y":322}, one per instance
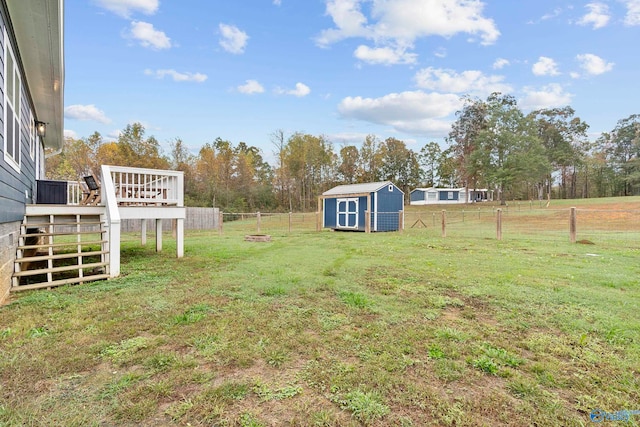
{"x":444,"y":223}
{"x":318,"y":226}
{"x":499,"y":224}
{"x":400,"y":221}
{"x":367,"y":222}
{"x":434,"y":219}
{"x":220,"y":221}
{"x":572,"y":225}
{"x":289,"y":222}
{"x":258,"y":220}
{"x":478,"y":213}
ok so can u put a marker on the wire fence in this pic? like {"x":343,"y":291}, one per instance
{"x":589,"y":226}
{"x":265,"y":223}
{"x":597,"y":226}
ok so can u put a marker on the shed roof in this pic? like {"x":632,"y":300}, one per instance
{"x":367,"y":187}
{"x":442,"y":189}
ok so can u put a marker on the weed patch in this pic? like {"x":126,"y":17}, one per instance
{"x":264,"y":392}
{"x":123,"y":351}
{"x":355,"y":299}
{"x":366,"y":407}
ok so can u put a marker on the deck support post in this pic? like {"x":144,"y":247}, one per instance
{"x":180,"y":237}
{"x":143,"y":232}
{"x":158,"y":235}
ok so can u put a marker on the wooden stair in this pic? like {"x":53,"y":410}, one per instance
{"x":60,"y":249}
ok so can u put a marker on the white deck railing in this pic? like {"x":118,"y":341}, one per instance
{"x":74,"y":193}
{"x":137,"y":186}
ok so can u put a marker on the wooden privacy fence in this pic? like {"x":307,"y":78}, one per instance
{"x":197,"y":219}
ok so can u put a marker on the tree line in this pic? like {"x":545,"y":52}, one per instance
{"x":492,"y":144}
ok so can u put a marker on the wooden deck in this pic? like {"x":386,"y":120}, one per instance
{"x":73,"y":243}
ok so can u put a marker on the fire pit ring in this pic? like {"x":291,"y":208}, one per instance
{"x":257,"y":238}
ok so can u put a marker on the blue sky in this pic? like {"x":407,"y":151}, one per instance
{"x":240,"y":70}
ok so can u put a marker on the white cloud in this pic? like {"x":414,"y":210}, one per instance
{"x":277,"y":2}
{"x":86,"y":113}
{"x":440,"y":52}
{"x":384,"y":55}
{"x":233,"y":40}
{"x":545,"y":67}
{"x":125,"y":8}
{"x":598,"y":15}
{"x":633,"y":12}
{"x":177,"y":76}
{"x":398,"y":24}
{"x":250,"y":87}
{"x":148,"y":36}
{"x":547,"y":16}
{"x":115,"y":133}
{"x":470,"y":81}
{"x":349,"y":20}
{"x":413,"y":112}
{"x":300,"y":90}
{"x":68,"y":133}
{"x":407,"y":20}
{"x":593,"y":64}
{"x":348,"y":138}
{"x":549,"y":96}
{"x":554,"y":14}
{"x":500,"y":63}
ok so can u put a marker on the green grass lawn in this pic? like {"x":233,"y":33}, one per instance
{"x":332,"y":329}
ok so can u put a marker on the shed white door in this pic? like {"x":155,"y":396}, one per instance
{"x":347,"y":213}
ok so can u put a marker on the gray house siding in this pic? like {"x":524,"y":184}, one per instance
{"x":17,"y":188}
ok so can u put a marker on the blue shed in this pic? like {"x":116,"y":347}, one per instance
{"x":344,"y":207}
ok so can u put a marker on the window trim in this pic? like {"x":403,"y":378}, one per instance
{"x":7,"y":104}
{"x":32,"y":136}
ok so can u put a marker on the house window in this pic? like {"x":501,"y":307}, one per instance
{"x":13,"y":88}
{"x":449,"y":195}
